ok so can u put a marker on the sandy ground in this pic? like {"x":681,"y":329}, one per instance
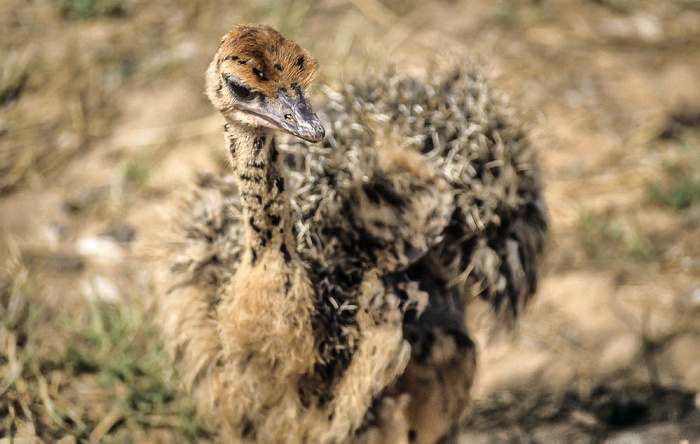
{"x":103,"y":123}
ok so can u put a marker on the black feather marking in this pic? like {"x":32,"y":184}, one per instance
{"x":231,"y":145}
{"x":304,"y":398}
{"x":285,"y":253}
{"x":379,"y":189}
{"x":278,"y":67}
{"x":249,"y":178}
{"x":257,"y":145}
{"x":279,"y":183}
{"x":275,"y":219}
{"x":442,"y":314}
{"x":253,"y":226}
{"x":248,"y":429}
{"x":300,"y":61}
{"x":255,"y":256}
{"x":259,"y":74}
{"x":246,"y":195}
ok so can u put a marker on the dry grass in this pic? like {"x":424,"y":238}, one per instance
{"x":84,"y":374}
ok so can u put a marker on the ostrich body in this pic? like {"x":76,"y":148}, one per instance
{"x":318,"y":294}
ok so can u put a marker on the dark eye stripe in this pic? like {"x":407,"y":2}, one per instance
{"x":239,"y":90}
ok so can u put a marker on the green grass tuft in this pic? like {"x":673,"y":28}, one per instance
{"x":606,"y":241}
{"x":138,"y":172}
{"x":119,"y":346}
{"x":680,"y":187}
{"x":108,"y":351}
{"x":88,"y":9}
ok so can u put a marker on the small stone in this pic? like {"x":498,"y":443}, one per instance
{"x":690,"y":299}
{"x":584,"y":419}
{"x":120,"y":232}
{"x":104,"y":251}
{"x":648,"y":28}
{"x":640,"y":27}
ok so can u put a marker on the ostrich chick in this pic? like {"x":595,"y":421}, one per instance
{"x":318,"y":295}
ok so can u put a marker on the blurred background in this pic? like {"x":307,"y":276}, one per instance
{"x":103,"y":123}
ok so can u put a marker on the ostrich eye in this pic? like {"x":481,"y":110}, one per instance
{"x":238,"y":89}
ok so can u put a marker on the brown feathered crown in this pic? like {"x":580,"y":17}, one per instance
{"x":265,"y":60}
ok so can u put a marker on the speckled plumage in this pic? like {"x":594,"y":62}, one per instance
{"x":424,"y":193}
{"x":473,"y":140}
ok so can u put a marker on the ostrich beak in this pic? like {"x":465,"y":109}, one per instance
{"x":295,"y":115}
{"x":291,"y":114}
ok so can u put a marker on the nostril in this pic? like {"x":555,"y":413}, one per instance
{"x":288,"y":117}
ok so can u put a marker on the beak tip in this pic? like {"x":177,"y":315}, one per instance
{"x":316,"y":135}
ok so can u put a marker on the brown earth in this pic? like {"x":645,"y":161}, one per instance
{"x":103,"y":122}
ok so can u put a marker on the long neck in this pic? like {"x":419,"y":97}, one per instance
{"x":261,"y":181}
{"x":264,"y":318}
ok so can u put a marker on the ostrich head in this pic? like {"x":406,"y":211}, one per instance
{"x":257,"y":80}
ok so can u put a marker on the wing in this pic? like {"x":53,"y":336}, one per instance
{"x":473,"y":141}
